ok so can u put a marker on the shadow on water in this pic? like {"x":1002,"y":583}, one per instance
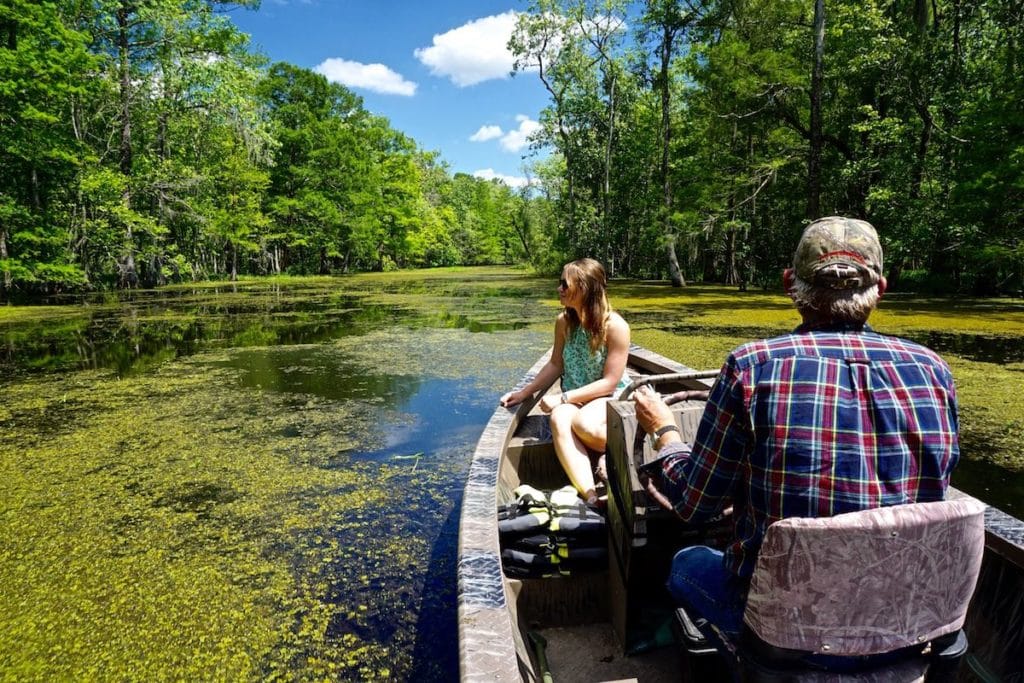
{"x":436,"y":651}
{"x":997,"y":486}
{"x":983,"y":348}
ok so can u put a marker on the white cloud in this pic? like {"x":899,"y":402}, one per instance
{"x":472,"y":53}
{"x":486,"y":133}
{"x":375,"y":77}
{"x":515,"y":140}
{"x":510,"y":180}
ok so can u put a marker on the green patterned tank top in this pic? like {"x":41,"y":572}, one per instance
{"x":579,"y":365}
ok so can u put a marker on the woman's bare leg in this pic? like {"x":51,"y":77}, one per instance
{"x":590,"y":424}
{"x":572,"y":452}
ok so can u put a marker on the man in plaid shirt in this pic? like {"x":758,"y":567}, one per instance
{"x":831,"y":418}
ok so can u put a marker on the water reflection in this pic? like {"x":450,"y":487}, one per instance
{"x":317,"y":371}
{"x":149,"y":328}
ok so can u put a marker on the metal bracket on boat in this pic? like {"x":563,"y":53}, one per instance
{"x":658,"y":379}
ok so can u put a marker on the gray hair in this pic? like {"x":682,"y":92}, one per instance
{"x":847,"y":305}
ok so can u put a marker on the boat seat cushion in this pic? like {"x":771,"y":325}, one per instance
{"x":867,"y":582}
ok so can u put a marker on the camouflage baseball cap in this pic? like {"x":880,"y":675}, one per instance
{"x":839,"y":253}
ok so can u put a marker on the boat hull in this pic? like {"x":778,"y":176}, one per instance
{"x":585,"y":620}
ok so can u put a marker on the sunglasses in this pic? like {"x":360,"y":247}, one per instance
{"x":562,"y":284}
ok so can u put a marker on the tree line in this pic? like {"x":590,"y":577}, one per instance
{"x":143,"y":141}
{"x":694,"y":138}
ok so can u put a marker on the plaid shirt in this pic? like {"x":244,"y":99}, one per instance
{"x":816,"y":423}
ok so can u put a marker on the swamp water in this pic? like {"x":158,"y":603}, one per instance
{"x":249,"y":484}
{"x":263,"y":481}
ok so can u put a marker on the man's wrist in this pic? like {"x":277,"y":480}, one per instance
{"x":662,"y":431}
{"x":666,"y":434}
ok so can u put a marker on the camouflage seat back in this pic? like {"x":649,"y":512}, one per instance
{"x":867,"y":582}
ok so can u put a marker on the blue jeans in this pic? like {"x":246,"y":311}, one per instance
{"x":701,"y":584}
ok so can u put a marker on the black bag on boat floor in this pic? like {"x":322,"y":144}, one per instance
{"x":550,"y":534}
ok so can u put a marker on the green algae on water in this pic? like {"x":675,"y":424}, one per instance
{"x":195,"y":482}
{"x":177,"y":524}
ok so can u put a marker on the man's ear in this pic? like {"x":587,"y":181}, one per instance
{"x":787,"y":279}
{"x":882,"y":286}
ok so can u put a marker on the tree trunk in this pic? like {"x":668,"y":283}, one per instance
{"x":161,"y":136}
{"x":557,"y":96}
{"x":522,"y":229}
{"x":570,"y":185}
{"x":158,"y":271}
{"x":922,"y":150}
{"x":37,"y":203}
{"x":674,"y":272}
{"x":6,"y":283}
{"x":607,"y":189}
{"x":814,"y":156}
{"x":129,"y":278}
{"x":234,"y":262}
{"x":731,"y":275}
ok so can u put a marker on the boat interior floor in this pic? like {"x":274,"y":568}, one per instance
{"x":590,"y":653}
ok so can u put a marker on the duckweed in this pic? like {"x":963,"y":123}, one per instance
{"x":259,"y":480}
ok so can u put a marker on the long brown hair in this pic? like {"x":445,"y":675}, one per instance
{"x":587,"y":276}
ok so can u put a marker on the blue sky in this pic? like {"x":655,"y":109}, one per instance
{"x":437,"y":70}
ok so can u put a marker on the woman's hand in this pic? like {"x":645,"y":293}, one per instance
{"x":548,"y":403}
{"x":510,"y":399}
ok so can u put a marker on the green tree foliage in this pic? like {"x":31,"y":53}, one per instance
{"x":730,"y":134}
{"x":42,"y":61}
{"x":142,"y":142}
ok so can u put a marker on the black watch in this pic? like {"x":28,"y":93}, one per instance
{"x":662,"y":431}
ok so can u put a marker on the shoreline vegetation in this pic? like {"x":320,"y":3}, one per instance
{"x":982,"y":338}
{"x":188,"y":480}
{"x":680,"y":141}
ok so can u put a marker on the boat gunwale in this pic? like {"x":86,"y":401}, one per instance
{"x":486,"y":631}
{"x":485,"y":623}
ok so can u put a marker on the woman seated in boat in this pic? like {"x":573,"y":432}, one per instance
{"x":590,"y":351}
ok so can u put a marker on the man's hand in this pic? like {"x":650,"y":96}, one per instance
{"x":656,"y":495}
{"x":652,"y":414}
